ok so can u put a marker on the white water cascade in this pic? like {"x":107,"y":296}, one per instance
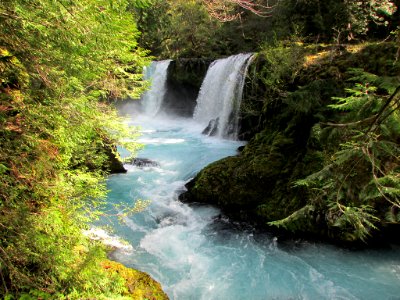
{"x":220,"y":95}
{"x":152,"y":99}
{"x":194,"y":251}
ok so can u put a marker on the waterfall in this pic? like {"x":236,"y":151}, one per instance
{"x":196,"y":253}
{"x":152,"y":99}
{"x":220,"y":95}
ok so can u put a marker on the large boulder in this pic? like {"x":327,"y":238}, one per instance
{"x":113,"y":164}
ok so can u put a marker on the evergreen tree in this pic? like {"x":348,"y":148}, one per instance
{"x":60,"y":61}
{"x":359,"y":184}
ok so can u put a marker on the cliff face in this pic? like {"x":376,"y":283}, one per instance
{"x":185,"y":76}
{"x":285,"y":107}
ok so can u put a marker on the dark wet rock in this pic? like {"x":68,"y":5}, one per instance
{"x":185,"y":76}
{"x":144,"y":162}
{"x":212,"y":127}
{"x":114,"y":164}
{"x":240,"y":149}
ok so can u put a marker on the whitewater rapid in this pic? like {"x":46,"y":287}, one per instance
{"x":196,"y":253}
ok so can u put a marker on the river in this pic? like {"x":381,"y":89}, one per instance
{"x":197,"y":253}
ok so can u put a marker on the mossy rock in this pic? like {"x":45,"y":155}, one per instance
{"x":140,"y":286}
{"x":279,"y":117}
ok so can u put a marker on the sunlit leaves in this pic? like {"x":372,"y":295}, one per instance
{"x":57,"y":59}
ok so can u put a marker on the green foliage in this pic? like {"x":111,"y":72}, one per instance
{"x":360,"y":181}
{"x":189,"y":28}
{"x":333,"y":20}
{"x":274,"y":69}
{"x":283,"y":62}
{"x":355,"y":222}
{"x":361,"y":13}
{"x":60,"y":62}
{"x":178,"y":29}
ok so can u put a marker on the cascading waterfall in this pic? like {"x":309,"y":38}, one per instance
{"x":220,"y":95}
{"x":152,"y":99}
{"x":194,"y":251}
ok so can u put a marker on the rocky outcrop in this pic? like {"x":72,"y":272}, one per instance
{"x":278,"y":116}
{"x":212,"y":127}
{"x":255,"y":185}
{"x":185,"y":76}
{"x":114,"y":164}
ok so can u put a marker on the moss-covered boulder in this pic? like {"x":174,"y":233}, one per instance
{"x":114,"y":164}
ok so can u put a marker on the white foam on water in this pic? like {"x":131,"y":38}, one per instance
{"x":160,"y":141}
{"x":148,"y":131}
{"x":116,"y":242}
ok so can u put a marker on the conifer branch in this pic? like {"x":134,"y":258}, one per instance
{"x":351,"y":123}
{"x":382,"y":110}
{"x":375,"y":177}
{"x":10,"y":16}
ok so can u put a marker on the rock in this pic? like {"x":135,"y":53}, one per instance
{"x":212,"y":127}
{"x":114,"y":165}
{"x":144,"y":162}
{"x":240,"y":149}
{"x":255,"y":179}
{"x":185,"y":76}
{"x":139,"y":285}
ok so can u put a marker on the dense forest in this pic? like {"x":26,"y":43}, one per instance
{"x":320,"y":111}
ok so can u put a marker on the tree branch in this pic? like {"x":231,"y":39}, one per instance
{"x":224,"y":10}
{"x":350,"y":124}
{"x":383,"y":108}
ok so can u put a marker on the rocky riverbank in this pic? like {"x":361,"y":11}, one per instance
{"x":287,"y":114}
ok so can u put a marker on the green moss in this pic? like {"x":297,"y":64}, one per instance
{"x":139,"y":285}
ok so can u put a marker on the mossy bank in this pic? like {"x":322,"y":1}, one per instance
{"x":295,"y":173}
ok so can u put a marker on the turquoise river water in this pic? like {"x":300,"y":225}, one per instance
{"x":195,"y":253}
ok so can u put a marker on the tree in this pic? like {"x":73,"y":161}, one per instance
{"x":359,"y":185}
{"x":179,"y":28}
{"x":60,"y":61}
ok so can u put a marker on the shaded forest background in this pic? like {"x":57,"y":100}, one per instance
{"x":178,"y":28}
